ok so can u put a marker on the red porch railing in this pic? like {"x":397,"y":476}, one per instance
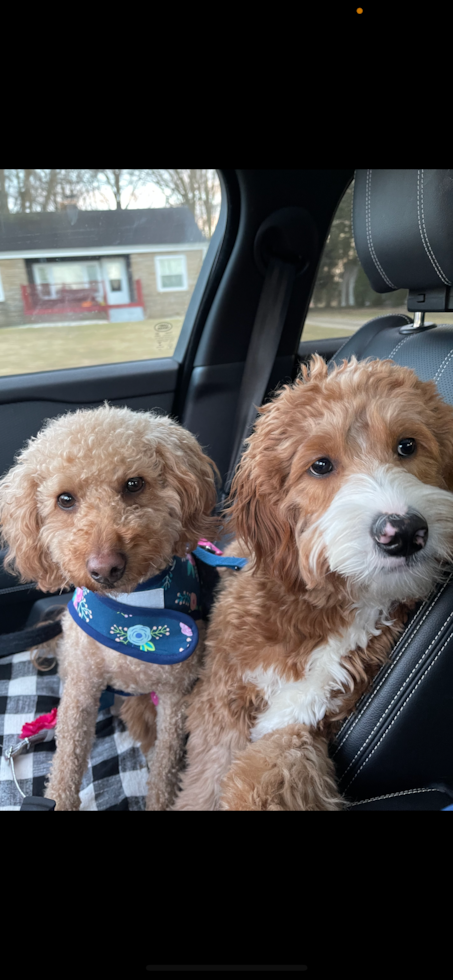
{"x":45,"y":299}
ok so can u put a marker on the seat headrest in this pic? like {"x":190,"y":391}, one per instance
{"x":403,"y":231}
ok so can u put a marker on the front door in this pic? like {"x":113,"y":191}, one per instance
{"x":116,"y":282}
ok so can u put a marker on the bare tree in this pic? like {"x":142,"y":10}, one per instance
{"x":49,"y":190}
{"x":24,"y":183}
{"x":4,"y":206}
{"x":199,"y":190}
{"x":123,"y":184}
{"x":41,"y":190}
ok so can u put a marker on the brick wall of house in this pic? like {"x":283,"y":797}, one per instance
{"x":157,"y":304}
{"x":14,"y":276}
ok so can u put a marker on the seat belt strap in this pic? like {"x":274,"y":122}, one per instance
{"x":264,"y":343}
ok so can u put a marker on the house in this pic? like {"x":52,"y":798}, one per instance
{"x":71,"y":264}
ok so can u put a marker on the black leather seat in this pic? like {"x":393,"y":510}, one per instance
{"x":395,"y":752}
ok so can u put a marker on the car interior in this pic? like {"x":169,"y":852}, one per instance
{"x":244,"y":334}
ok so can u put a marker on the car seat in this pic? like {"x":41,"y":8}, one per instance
{"x":395,"y":751}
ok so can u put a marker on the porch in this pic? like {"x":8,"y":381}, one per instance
{"x":68,"y":299}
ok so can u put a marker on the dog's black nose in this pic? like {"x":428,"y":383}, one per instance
{"x":400,"y":535}
{"x":107,"y":567}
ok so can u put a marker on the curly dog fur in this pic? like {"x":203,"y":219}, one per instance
{"x":297,"y":635}
{"x":91,"y":454}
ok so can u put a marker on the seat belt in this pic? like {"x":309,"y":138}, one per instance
{"x":264,"y":343}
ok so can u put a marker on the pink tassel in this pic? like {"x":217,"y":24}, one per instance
{"x":44,"y":721}
{"x":154,"y":698}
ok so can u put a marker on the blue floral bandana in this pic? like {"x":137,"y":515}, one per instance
{"x":156,"y":622}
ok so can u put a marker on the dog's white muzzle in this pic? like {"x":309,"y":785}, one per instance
{"x":387,"y":532}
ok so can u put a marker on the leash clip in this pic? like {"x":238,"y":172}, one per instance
{"x":43,"y":736}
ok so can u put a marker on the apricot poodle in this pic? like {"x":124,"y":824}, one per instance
{"x":343,"y":506}
{"x":112,"y":501}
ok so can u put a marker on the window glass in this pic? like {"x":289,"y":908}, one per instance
{"x":69,"y":274}
{"x":171,"y":273}
{"x":98,"y":266}
{"x":343,"y":299}
{"x":93,"y":273}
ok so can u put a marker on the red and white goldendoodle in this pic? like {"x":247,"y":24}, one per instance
{"x":103,"y":500}
{"x":343,"y":506}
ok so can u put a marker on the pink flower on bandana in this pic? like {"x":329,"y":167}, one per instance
{"x":78,"y":597}
{"x":186,"y":629}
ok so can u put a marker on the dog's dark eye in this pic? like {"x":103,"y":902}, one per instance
{"x":407,"y":447}
{"x":321,"y":467}
{"x":66,"y":501}
{"x":135,"y":484}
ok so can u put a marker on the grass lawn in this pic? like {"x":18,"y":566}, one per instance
{"x":47,"y":348}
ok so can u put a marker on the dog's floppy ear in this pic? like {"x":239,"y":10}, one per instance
{"x":261,"y":512}
{"x":441,"y":427}
{"x":193,"y":476}
{"x":445,"y":417}
{"x":21,"y":527}
{"x":258,"y":514}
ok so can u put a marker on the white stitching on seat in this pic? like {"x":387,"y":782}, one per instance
{"x":368,"y":231}
{"x":404,"y":341}
{"x":398,"y":651}
{"x":443,"y":364}
{"x":427,"y":246}
{"x":341,"y":348}
{"x":388,"y":796}
{"x":365,"y":762}
{"x":396,"y":695}
{"x":382,"y":316}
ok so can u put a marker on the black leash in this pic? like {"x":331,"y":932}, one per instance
{"x":27,"y":638}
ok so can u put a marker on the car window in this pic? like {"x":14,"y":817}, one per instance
{"x":98,"y":266}
{"x":343,"y":299}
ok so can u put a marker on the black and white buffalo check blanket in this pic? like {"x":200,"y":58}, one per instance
{"x":117,"y":773}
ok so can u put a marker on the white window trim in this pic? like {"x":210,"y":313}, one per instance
{"x":2,"y":295}
{"x":170,"y":289}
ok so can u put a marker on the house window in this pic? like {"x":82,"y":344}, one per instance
{"x":93,"y":273}
{"x":2,"y":295}
{"x":43,"y":281}
{"x":53,"y":277}
{"x":171,"y":272}
{"x":69,"y":274}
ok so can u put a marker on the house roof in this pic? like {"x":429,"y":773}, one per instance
{"x":75,"y":229}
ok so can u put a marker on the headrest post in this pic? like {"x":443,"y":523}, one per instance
{"x":418,"y":325}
